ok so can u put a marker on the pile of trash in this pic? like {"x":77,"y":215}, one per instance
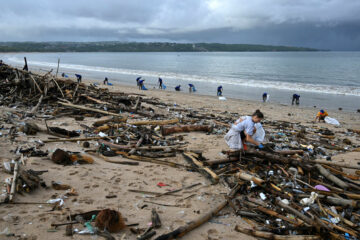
{"x":290,"y":189}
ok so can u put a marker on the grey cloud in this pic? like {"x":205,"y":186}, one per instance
{"x":326,"y":24}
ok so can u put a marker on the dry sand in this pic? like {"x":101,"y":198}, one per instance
{"x":94,"y":182}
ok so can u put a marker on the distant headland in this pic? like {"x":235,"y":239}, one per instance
{"x":141,"y":47}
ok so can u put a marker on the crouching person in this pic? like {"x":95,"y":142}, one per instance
{"x":241,"y":132}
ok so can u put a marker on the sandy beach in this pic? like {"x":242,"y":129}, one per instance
{"x":94,"y":182}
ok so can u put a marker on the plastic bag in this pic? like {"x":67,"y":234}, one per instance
{"x":332,"y":121}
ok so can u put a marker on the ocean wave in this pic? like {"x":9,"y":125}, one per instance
{"x":289,"y":86}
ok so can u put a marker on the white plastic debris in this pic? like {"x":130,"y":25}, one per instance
{"x":101,"y":134}
{"x":263,"y":196}
{"x":310,"y":200}
{"x":285,"y":201}
{"x":222,"y":98}
{"x":61,"y":201}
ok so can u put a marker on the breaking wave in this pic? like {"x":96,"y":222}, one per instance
{"x":301,"y":87}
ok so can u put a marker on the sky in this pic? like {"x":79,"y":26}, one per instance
{"x":322,"y":24}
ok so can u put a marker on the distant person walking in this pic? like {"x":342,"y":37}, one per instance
{"x":78,"y":78}
{"x":141,"y":84}
{"x":137,"y":81}
{"x":1,"y":62}
{"x":265,"y":97}
{"x":295,"y":99}
{"x":160,"y":83}
{"x":219,"y":90}
{"x":177,"y":88}
{"x":106,"y":81}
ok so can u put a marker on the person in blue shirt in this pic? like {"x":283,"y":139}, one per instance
{"x":78,"y":78}
{"x":296,"y":99}
{"x":137,"y":81}
{"x":177,"y":88}
{"x":191,"y":87}
{"x":106,"y":81}
{"x":141,"y":83}
{"x":219,"y":90}
{"x":265,"y":96}
{"x":160,"y":83}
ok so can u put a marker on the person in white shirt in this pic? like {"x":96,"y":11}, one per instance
{"x":242,"y":130}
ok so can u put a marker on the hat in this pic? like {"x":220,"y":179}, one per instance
{"x":322,"y":111}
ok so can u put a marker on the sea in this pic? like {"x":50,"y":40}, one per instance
{"x":324,"y":80}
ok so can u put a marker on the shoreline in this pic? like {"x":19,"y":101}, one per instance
{"x":273,"y":111}
{"x":328,"y":97}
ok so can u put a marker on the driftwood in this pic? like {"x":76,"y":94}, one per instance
{"x":331,"y":177}
{"x":13,"y":184}
{"x":290,"y":152}
{"x":35,"y":108}
{"x":155,"y":122}
{"x":76,"y":139}
{"x":147,"y":148}
{"x":344,"y":165}
{"x":90,"y":109}
{"x":296,"y":213}
{"x":151,"y":160}
{"x":112,"y":119}
{"x":186,"y":128}
{"x":181,"y":231}
{"x":269,"y":235}
{"x":114,"y":161}
{"x":201,"y":168}
{"x":132,"y":151}
{"x":155,"y":219}
{"x":248,"y":177}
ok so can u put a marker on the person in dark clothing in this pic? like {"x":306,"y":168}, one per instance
{"x":296,"y":99}
{"x":106,"y":81}
{"x":191,"y":88}
{"x":137,"y":81}
{"x":177,"y":88}
{"x":219,"y":90}
{"x":78,"y":78}
{"x":1,"y":62}
{"x":160,"y":83}
{"x":265,"y":96}
{"x":141,"y":83}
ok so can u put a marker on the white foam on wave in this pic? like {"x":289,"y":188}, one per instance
{"x":301,"y":87}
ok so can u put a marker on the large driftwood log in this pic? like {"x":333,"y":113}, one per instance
{"x":344,"y":165}
{"x":181,"y":231}
{"x":155,"y":122}
{"x":151,"y":160}
{"x":91,"y":109}
{"x":201,"y":168}
{"x":269,"y":235}
{"x":331,"y":177}
{"x":111,"y":119}
{"x":187,"y":128}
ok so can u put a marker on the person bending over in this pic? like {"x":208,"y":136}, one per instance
{"x":295,"y":99}
{"x":219,"y":90}
{"x":320,"y":116}
{"x":191,"y":88}
{"x":242,"y":130}
{"x":141,"y":84}
{"x":78,"y":78}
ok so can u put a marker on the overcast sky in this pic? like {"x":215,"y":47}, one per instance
{"x":324,"y":24}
